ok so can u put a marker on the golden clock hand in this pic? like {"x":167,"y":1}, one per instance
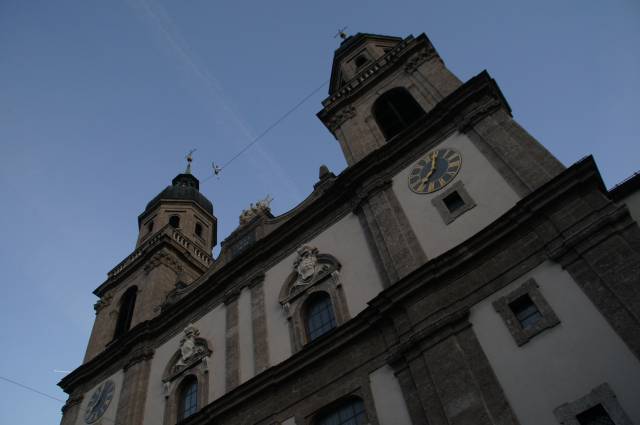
{"x":424,"y":181}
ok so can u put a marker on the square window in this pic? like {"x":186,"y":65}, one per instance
{"x":594,"y":416}
{"x":453,"y":202}
{"x":599,"y":407}
{"x":526,"y":311}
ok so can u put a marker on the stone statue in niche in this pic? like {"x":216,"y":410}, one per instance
{"x":188,"y":347}
{"x":306,"y":265}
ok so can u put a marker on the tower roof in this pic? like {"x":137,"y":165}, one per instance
{"x":184,"y":187}
{"x":347,"y":46}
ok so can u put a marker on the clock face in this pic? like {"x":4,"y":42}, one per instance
{"x":435,"y":170}
{"x":99,"y":402}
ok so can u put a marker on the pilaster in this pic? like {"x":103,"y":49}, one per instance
{"x":446,"y":376}
{"x":394,"y":240}
{"x":232,"y":344}
{"x":258,"y":321}
{"x":134,"y":386}
{"x":522,"y":160}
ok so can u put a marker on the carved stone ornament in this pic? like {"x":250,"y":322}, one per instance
{"x":102,"y":303}
{"x":340,"y":118}
{"x":164,"y":259}
{"x":262,"y":206}
{"x":309,"y":267}
{"x":418,"y":59}
{"x":188,"y":347}
{"x":306,"y":264}
{"x":193,"y":350}
{"x":476,"y":113}
{"x":179,"y":291}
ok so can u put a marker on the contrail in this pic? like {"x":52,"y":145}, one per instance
{"x":160,"y":20}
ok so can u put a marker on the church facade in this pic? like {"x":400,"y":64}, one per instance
{"x":454,"y":273}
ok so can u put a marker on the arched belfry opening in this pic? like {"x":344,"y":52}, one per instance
{"x":125,"y":313}
{"x":396,"y":110}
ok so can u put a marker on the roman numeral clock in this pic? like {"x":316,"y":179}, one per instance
{"x":435,"y":170}
{"x":99,"y":402}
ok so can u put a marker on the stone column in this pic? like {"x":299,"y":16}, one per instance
{"x":389,"y":230}
{"x":258,"y":321}
{"x":135,"y":386}
{"x":232,"y":346}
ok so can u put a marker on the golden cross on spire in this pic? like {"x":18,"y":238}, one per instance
{"x":189,"y":159}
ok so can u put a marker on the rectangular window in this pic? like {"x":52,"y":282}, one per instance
{"x":596,"y":415}
{"x":453,"y":202}
{"x":525,"y":311}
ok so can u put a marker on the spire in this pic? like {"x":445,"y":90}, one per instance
{"x":189,"y":159}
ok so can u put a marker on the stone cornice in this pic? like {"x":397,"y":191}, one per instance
{"x":167,"y":236}
{"x":579,"y":178}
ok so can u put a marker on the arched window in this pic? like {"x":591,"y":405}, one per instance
{"x":199,"y":229}
{"x":127,"y":305}
{"x":319,"y":315}
{"x":188,"y":397}
{"x":349,"y":412}
{"x":396,"y":110}
{"x":174,"y":221}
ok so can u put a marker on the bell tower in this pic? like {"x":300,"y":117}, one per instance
{"x":177,"y":232}
{"x":392,"y":97}
{"x":380,"y":85}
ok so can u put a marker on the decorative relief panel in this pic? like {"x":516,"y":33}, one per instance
{"x":418,"y":59}
{"x":193,"y":351}
{"x":340,"y":118}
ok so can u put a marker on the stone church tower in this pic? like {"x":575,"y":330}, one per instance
{"x":455,"y":273}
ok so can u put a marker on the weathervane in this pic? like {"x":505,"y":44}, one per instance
{"x":341,"y":33}
{"x":189,"y":159}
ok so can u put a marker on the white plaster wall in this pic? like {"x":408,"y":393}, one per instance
{"x":561,"y":364}
{"x":245,"y":335}
{"x":110,"y":414}
{"x":212,"y":328}
{"x":391,"y":408}
{"x":360,"y":280}
{"x":633,"y":203}
{"x":492,"y":194}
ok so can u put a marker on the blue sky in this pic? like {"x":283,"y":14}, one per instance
{"x":101,"y":100}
